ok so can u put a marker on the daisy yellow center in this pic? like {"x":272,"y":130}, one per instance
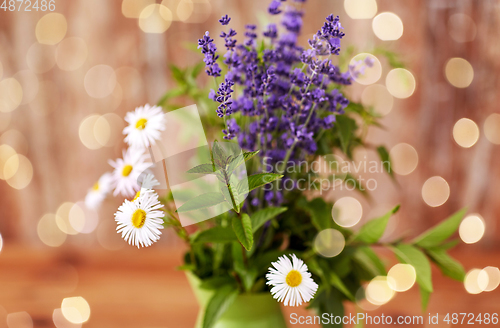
{"x":139,"y":218}
{"x":126,"y":170}
{"x":96,"y":186}
{"x":141,"y":124}
{"x":137,"y":195}
{"x":293,"y":278}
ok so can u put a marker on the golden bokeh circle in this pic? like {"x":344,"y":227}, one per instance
{"x":329,"y":242}
{"x":387,"y":26}
{"x":435,"y":191}
{"x":400,"y":82}
{"x":472,"y":229}
{"x":51,"y":28}
{"x":459,"y":72}
{"x":404,"y":158}
{"x":155,"y":18}
{"x":360,"y":9}
{"x":492,"y":128}
{"x":377,"y":96}
{"x":465,"y":132}
{"x":347,"y":211}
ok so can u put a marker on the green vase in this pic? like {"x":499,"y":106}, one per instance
{"x":257,"y":310}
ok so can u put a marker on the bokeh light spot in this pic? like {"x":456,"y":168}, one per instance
{"x":19,"y":320}
{"x":365,"y":68}
{"x":6,"y":152}
{"x":459,"y":72}
{"x":377,"y":97}
{"x":51,"y":28}
{"x":472,"y":229}
{"x":492,"y":128}
{"x":155,"y":18}
{"x":75,"y":309}
{"x":474,"y":283}
{"x":465,"y":132}
{"x":63,"y":218}
{"x":49,"y":232}
{"x":347,"y":211}
{"x":86,"y":132}
{"x":329,"y":242}
{"x":493,"y":274}
{"x":404,"y":159}
{"x":11,"y":95}
{"x":61,"y":322}
{"x":24,"y":173}
{"x":401,"y":277}
{"x":400,"y":83}
{"x":360,"y":9}
{"x":133,"y":8}
{"x":378,"y":291}
{"x":435,"y":191}
{"x":387,"y":26}
{"x":461,"y":28}
{"x":102,"y":130}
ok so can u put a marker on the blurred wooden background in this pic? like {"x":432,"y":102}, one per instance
{"x":63,"y":168}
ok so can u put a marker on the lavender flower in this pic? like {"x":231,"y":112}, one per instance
{"x":286,"y":96}
{"x":224,"y":20}
{"x":223,"y":97}
{"x":209,"y":49}
{"x":274,"y":7}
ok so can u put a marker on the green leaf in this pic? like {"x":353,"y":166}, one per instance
{"x":320,"y":212}
{"x":218,"y":304}
{"x":369,"y":260}
{"x":374,"y":229}
{"x":384,"y":157}
{"x":337,"y":283}
{"x":203,"y":169}
{"x":257,"y":180}
{"x":346,"y":127}
{"x":264,"y":215}
{"x":218,"y":155}
{"x":217,"y":282}
{"x":448,"y":265}
{"x":238,"y":160}
{"x":177,"y":74}
{"x":197,"y":69}
{"x":425,"y":296}
{"x":202,"y":201}
{"x":243,"y":229}
{"x":216,"y":234}
{"x":329,"y":301}
{"x":436,"y":235}
{"x":411,"y":255}
{"x":449,"y":245}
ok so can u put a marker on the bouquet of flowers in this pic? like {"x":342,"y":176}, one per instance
{"x":280,"y":107}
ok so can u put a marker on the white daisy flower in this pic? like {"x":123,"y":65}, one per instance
{"x":139,"y":221}
{"x":292,"y":283}
{"x":145,"y":126}
{"x":148,"y":181}
{"x":147,"y":184}
{"x":128,"y":170}
{"x":99,"y":191}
